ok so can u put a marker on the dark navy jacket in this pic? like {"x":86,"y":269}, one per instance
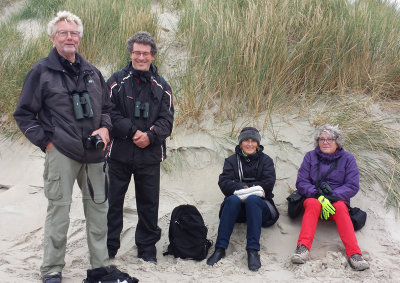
{"x":258,"y":166}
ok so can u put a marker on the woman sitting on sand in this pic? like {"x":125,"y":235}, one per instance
{"x":336,"y":173}
{"x":247,"y":181}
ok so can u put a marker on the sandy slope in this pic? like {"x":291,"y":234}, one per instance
{"x":194,"y":181}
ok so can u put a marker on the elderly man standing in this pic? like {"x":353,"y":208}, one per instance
{"x":64,"y":109}
{"x":142,"y":119}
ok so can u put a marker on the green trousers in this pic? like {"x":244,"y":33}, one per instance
{"x":60,"y":173}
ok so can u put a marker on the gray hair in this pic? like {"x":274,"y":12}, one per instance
{"x":142,"y":37}
{"x":333,"y":131}
{"x":64,"y":16}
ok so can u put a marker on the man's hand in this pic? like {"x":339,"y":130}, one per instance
{"x":141,"y":139}
{"x":49,"y":146}
{"x":103,"y":133}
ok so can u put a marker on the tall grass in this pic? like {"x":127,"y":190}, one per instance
{"x":107,"y":26}
{"x":262,"y":54}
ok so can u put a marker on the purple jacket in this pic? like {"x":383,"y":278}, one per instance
{"x":344,"y":179}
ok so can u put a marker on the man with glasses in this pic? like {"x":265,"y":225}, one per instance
{"x":63,"y":107}
{"x":142,"y":119}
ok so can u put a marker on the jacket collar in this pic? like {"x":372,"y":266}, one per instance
{"x":328,"y":158}
{"x":255,"y":155}
{"x":128,"y":68}
{"x":55,"y":64}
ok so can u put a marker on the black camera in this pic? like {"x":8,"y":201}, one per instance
{"x":94,"y":142}
{"x":326,"y":189}
{"x":141,"y":108}
{"x":82,"y":105}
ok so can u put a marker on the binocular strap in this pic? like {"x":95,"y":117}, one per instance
{"x":333,"y":166}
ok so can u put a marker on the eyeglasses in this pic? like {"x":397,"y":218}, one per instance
{"x":326,"y":140}
{"x":64,"y":33}
{"x":138,"y":53}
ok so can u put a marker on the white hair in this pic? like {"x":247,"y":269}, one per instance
{"x":332,"y":131}
{"x":64,"y":16}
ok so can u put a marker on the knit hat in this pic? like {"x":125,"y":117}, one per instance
{"x":249,"y":133}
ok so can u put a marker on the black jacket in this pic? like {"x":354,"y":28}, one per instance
{"x":257,"y":166}
{"x":128,"y":87}
{"x":45,"y":112}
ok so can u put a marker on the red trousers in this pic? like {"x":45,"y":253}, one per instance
{"x":344,"y":225}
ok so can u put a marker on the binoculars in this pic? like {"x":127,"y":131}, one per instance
{"x":141,"y":108}
{"x":325,"y":189}
{"x":82,"y":105}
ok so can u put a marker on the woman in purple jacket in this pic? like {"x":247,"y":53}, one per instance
{"x":328,"y":178}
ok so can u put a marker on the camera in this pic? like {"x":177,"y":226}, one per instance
{"x":326,"y":189}
{"x":94,"y":142}
{"x":82,"y":105}
{"x":141,"y":107}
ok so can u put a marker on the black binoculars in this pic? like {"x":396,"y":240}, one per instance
{"x":82,"y":105}
{"x":141,"y":107}
{"x":93,"y":142}
{"x":325,"y":189}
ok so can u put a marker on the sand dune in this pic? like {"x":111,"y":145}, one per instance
{"x":196,"y":159}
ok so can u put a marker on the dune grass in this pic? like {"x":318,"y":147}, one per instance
{"x":264,"y":54}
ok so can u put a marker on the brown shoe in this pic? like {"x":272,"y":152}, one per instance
{"x":301,"y":255}
{"x":357,"y":262}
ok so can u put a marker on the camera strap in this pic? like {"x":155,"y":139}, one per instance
{"x":333,"y":166}
{"x":240,"y":168}
{"x":90,"y":186}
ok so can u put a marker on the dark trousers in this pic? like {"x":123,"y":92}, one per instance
{"x":147,"y":191}
{"x":254,"y":211}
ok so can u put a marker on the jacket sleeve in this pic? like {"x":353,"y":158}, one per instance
{"x":162,"y":126}
{"x":304,"y":182}
{"x":228,"y":180}
{"x":268,"y":177}
{"x":29,"y":105}
{"x":350,"y":186}
{"x":122,"y":126}
{"x":106,"y":106}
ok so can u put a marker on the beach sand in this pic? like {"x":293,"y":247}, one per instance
{"x":191,"y":177}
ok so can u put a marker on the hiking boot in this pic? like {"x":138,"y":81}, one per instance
{"x":216,"y":256}
{"x":357,"y":262}
{"x":151,"y":259}
{"x":53,"y":277}
{"x":112,"y":254}
{"x":301,"y":254}
{"x":253,"y":260}
{"x":148,"y":253}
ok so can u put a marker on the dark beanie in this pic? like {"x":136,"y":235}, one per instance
{"x":249,"y":133}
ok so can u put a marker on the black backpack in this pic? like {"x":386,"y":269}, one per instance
{"x":108,"y":274}
{"x":187,"y":234}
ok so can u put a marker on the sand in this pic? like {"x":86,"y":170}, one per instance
{"x":190,"y":177}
